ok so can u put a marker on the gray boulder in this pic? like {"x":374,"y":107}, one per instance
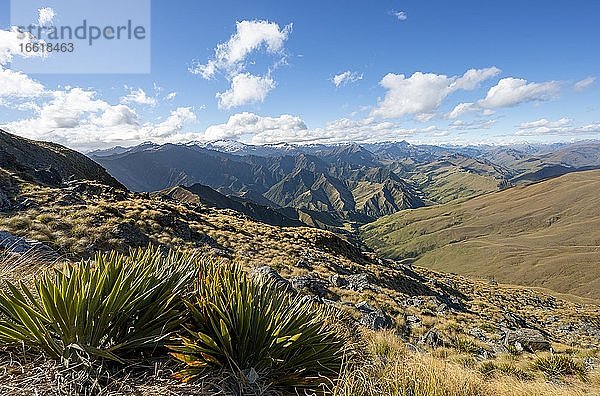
{"x":132,"y":235}
{"x":302,"y":263}
{"x":432,"y":339}
{"x":529,"y":339}
{"x":372,"y":318}
{"x":358,"y":282}
{"x":20,"y":245}
{"x":266,"y":274}
{"x":338,"y":280}
{"x":310,"y":284}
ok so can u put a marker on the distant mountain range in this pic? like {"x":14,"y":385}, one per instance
{"x":491,"y":212}
{"x":336,"y":186}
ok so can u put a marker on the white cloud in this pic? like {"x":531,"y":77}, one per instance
{"x":508,"y":92}
{"x":561,"y":126}
{"x":473,"y":125}
{"x":10,"y":41}
{"x":514,"y":91}
{"x":230,"y":58}
{"x":423,"y":93}
{"x":256,"y":126}
{"x":346,"y":78}
{"x":400,"y":15}
{"x":68,"y":109}
{"x":473,"y":78}
{"x":46,"y":16}
{"x":255,"y":129}
{"x":584,"y":84}
{"x":15,"y":84}
{"x":138,"y":96}
{"x":77,"y":118}
{"x":174,"y":123}
{"x":462,"y":109}
{"x":115,"y":116}
{"x":171,"y":96}
{"x":245,"y":89}
{"x":545,"y":123}
{"x":249,"y":36}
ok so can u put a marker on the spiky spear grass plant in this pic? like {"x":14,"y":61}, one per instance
{"x":256,"y":330}
{"x":555,"y":365}
{"x":113,"y":307}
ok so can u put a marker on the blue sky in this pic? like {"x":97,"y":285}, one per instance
{"x":533,"y":76}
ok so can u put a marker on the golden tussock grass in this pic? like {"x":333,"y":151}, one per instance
{"x":394,"y":370}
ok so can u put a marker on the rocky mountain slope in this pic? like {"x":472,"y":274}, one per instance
{"x":344,"y":181}
{"x":48,"y":163}
{"x":353,"y":183}
{"x":484,"y":327}
{"x":42,"y":163}
{"x":85,"y":217}
{"x":545,"y":234}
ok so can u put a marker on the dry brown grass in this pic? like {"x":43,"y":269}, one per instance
{"x":452,"y":371}
{"x":394,"y":371}
{"x":538,"y":235}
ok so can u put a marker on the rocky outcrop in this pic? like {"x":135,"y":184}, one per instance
{"x":266,"y":274}
{"x":20,"y":245}
{"x":131,"y":235}
{"x":310,"y":284}
{"x":372,"y":318}
{"x":49,"y":163}
{"x":530,"y":340}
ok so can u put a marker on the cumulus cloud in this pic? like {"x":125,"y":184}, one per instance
{"x":473,"y":78}
{"x":138,"y":96}
{"x":511,"y":92}
{"x":14,"y":84}
{"x":245,"y":89}
{"x":545,"y":123}
{"x":561,"y":126}
{"x":584,"y":84}
{"x":255,"y":129}
{"x":508,"y":92}
{"x":250,"y":36}
{"x":174,"y":123}
{"x":46,"y":16}
{"x":346,"y":77}
{"x":171,"y":96}
{"x":67,"y":109}
{"x":473,"y":125}
{"x":230,"y":58}
{"x":10,"y":41}
{"x":254,"y":125}
{"x":423,"y":93}
{"x":77,"y":118}
{"x":115,"y":116}
{"x":462,"y":109}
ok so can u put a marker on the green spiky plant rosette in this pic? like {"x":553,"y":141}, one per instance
{"x":257,"y":330}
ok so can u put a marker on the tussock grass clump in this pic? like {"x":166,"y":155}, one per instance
{"x":257,"y":331}
{"x":113,"y":307}
{"x":465,"y":345}
{"x":555,"y":365}
{"x":490,"y":369}
{"x":412,"y":375}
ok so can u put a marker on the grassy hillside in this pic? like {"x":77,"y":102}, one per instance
{"x":48,"y":163}
{"x":546,"y":234}
{"x":413,"y":304}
